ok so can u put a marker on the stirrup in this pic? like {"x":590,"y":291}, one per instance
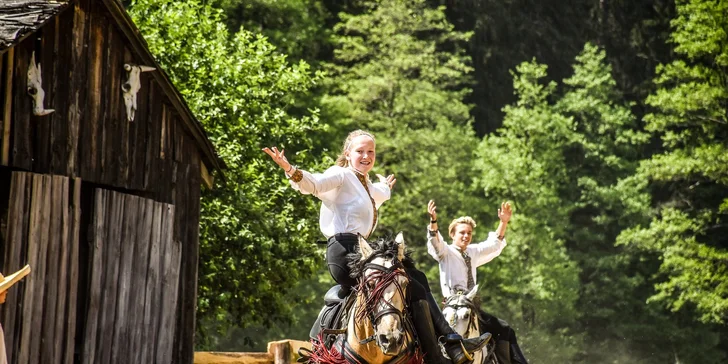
{"x":456,"y":339}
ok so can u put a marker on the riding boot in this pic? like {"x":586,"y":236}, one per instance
{"x":426,"y":333}
{"x":517,"y":355}
{"x":459,"y":349}
{"x":503,"y":351}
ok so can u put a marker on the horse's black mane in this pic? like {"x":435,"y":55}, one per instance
{"x":382,"y":246}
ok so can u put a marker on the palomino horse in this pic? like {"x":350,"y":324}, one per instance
{"x":462,"y":314}
{"x":379,"y":328}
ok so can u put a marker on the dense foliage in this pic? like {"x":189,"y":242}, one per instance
{"x":604,"y":122}
{"x":689,"y":174}
{"x":255,"y":240}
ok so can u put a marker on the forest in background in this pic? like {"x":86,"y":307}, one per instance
{"x":604,"y":122}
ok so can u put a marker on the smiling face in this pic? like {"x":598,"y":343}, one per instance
{"x":361,"y":154}
{"x":461,"y":235}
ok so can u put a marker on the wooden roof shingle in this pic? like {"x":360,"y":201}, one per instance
{"x":19,"y":18}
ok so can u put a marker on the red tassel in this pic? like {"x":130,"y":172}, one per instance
{"x":320,"y":354}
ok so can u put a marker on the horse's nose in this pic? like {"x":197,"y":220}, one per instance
{"x":400,"y":340}
{"x":384,"y":341}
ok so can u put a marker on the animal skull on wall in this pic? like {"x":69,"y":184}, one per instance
{"x":35,"y":88}
{"x":132,"y":86}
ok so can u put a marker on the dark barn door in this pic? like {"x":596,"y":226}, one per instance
{"x":134,"y":278}
{"x":105,"y":274}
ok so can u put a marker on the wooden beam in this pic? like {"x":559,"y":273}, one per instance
{"x":207,"y":179}
{"x":8,"y":105}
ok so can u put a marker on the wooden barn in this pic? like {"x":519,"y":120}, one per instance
{"x":102,"y":164}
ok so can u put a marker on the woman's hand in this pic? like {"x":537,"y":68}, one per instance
{"x":389,"y":180}
{"x":505,"y":212}
{"x":278,"y":157}
{"x":432,"y":209}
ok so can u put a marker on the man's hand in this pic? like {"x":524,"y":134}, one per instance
{"x":432,"y":209}
{"x":505,"y":212}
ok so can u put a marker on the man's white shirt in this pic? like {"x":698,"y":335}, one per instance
{"x":453,"y":271}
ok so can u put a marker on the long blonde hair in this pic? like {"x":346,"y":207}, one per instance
{"x":341,"y":161}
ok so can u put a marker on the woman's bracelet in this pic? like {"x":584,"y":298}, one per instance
{"x":296,"y":176}
{"x":289,"y":169}
{"x":433,"y":221}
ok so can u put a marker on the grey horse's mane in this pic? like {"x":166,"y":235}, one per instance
{"x":468,"y":302}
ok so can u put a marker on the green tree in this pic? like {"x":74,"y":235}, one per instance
{"x":534,"y":284}
{"x":393,"y":75}
{"x":568,"y":159}
{"x":256,"y":238}
{"x":299,"y":29}
{"x":508,"y":32}
{"x":607,"y":199}
{"x":408,"y":92}
{"x":689,"y":177}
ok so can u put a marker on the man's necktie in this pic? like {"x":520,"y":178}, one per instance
{"x":471,"y":282}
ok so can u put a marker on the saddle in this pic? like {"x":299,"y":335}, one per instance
{"x":332,"y":319}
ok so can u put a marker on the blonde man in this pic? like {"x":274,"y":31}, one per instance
{"x":458,"y":262}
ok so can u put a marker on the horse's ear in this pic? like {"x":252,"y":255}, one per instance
{"x":364,"y":248}
{"x":472,"y":293}
{"x":399,"y":239}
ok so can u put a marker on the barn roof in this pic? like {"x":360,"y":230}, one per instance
{"x":20,"y":18}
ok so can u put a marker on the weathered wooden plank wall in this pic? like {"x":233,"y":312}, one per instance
{"x":81,"y":53}
{"x":134,"y":281}
{"x":43,"y":214}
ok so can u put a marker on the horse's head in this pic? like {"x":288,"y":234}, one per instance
{"x":461,"y":313}
{"x":382,"y":287}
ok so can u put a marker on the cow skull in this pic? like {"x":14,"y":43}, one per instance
{"x":35,"y":88}
{"x":132,"y":86}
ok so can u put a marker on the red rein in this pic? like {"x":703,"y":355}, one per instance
{"x":375,"y":295}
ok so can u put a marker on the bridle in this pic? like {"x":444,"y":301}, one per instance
{"x":373,"y":287}
{"x":369,"y":296}
{"x":453,"y":301}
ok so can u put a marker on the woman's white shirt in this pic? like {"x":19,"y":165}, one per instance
{"x":345,"y":207}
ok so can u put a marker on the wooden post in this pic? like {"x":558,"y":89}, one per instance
{"x":286,"y":351}
{"x":280,"y":351}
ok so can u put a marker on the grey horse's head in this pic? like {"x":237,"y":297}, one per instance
{"x":461,"y":313}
